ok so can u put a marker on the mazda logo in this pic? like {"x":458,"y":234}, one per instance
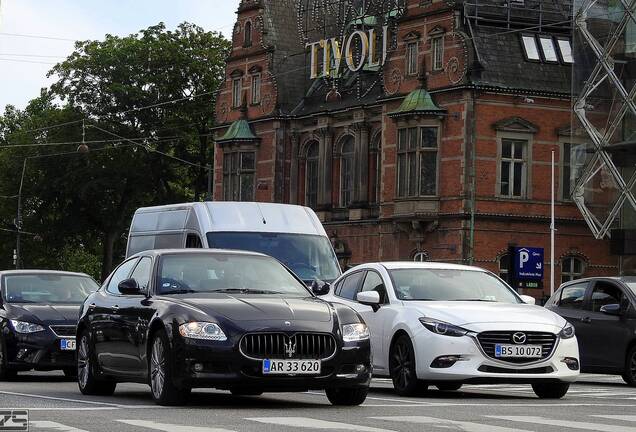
{"x":519,"y":338}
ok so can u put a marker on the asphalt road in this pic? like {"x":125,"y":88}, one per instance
{"x":595,"y":403}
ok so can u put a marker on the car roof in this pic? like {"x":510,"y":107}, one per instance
{"x":399,"y":265}
{"x":624,"y":279}
{"x":40,"y":272}
{"x":160,"y":252}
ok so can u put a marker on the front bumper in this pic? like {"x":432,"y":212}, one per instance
{"x":476,"y":367}
{"x":224,"y":367}
{"x":40,"y":351}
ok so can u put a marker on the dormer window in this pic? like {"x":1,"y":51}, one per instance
{"x":566,"y":50}
{"x":530,"y":47}
{"x":247,"y":41}
{"x":548,"y":48}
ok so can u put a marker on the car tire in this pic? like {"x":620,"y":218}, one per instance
{"x":164,"y":391}
{"x":450,"y":386}
{"x":550,"y":390}
{"x":629,"y":375}
{"x":402,"y":368}
{"x":347,"y":396}
{"x":6,"y":374}
{"x":87,"y":380}
{"x":246,"y":392}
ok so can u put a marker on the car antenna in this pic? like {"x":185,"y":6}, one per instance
{"x":258,"y":206}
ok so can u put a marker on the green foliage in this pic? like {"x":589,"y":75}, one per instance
{"x":72,"y":198}
{"x":79,"y":259}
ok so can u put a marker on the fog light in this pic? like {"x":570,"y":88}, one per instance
{"x":571,"y":363}
{"x":198,"y":367}
{"x":361,"y":368}
{"x":443,"y":362}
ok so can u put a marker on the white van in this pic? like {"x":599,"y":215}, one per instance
{"x":292,"y":234}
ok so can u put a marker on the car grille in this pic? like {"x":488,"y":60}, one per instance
{"x":64,"y":330}
{"x":282,"y":346}
{"x":489,"y":339}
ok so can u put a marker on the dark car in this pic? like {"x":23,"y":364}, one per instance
{"x":238,"y":321}
{"x":603,"y":311}
{"x":38,"y":317}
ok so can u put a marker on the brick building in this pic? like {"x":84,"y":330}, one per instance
{"x":439,"y":149}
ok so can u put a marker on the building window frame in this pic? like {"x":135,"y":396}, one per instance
{"x":256,"y":88}
{"x":437,"y":52}
{"x":347,"y":171}
{"x":569,"y":271}
{"x":410,"y":156}
{"x":312,"y":177}
{"x":412,"y":57}
{"x":247,"y":35}
{"x":237,"y":90}
{"x":536,"y":54}
{"x":239,"y":175}
{"x":525,"y":160}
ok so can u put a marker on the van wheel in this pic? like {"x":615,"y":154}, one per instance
{"x":164,"y":391}
{"x":550,"y":390}
{"x":6,"y":374}
{"x":402,"y":368}
{"x":87,"y":381}
{"x":629,"y":375}
{"x":347,"y":396}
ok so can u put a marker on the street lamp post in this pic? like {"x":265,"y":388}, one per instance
{"x":18,"y":222}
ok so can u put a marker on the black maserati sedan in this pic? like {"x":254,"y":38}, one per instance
{"x":231,"y":320}
{"x":38,"y":315}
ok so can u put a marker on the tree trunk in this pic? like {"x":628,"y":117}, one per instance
{"x":108,"y":251}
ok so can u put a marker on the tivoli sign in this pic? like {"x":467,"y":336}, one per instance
{"x":360,"y":48}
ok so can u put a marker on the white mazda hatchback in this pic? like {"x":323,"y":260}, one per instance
{"x":446,"y":325}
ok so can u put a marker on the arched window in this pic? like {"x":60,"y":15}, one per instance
{"x":311,"y":175}
{"x":421,"y":256}
{"x":247,"y":42}
{"x":572,"y":268}
{"x":347,"y":153}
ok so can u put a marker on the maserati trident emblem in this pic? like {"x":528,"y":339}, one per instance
{"x":290,"y":349}
{"x":519,"y":338}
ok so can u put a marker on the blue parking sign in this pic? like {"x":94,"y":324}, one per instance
{"x":528,"y":263}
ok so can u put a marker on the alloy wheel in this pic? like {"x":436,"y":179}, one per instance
{"x":157,"y":368}
{"x":402,"y":365}
{"x":83,"y":362}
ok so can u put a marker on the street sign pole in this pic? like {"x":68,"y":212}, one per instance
{"x":552,"y":228}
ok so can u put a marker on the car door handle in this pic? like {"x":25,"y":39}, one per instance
{"x":586,"y":320}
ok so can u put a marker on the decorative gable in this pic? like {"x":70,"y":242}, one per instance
{"x":516,"y":124}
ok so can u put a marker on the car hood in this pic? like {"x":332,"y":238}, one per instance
{"x":474,"y":315}
{"x":48,"y":314}
{"x":259,"y":307}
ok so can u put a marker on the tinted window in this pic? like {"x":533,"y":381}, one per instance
{"x":572,"y":296}
{"x":229,"y":273}
{"x":120,"y":274}
{"x":142,"y":273}
{"x":169,"y":241}
{"x":373,"y":282}
{"x":48,"y":288}
{"x":193,"y":242}
{"x":450,"y":285}
{"x":138,"y":244}
{"x":604,"y":294}
{"x":350,"y":286}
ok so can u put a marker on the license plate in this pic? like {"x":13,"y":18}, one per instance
{"x":67,"y":344}
{"x":525,"y":351}
{"x":291,"y":367}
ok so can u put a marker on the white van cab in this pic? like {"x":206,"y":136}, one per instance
{"x":292,"y":234}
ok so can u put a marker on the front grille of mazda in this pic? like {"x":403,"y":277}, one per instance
{"x":489,"y":339}
{"x":313,"y":346}
{"x":64,"y":330}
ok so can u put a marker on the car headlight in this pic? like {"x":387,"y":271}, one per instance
{"x":443,"y":328}
{"x":26,"y":327}
{"x":567,"y":332}
{"x":355,"y":332}
{"x":202,"y":330}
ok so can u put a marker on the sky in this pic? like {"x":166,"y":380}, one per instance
{"x":25,"y":61}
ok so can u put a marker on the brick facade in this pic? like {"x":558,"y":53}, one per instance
{"x":484,"y":105}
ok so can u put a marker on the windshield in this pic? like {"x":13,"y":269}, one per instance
{"x":309,"y":257}
{"x":632,"y":286}
{"x":226,"y":273}
{"x":48,"y":288}
{"x":450,"y":285}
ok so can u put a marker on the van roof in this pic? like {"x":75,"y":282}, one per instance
{"x":230,"y":217}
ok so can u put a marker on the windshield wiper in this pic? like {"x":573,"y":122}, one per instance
{"x":179,"y":291}
{"x":244,"y":291}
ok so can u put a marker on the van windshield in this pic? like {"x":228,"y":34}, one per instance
{"x":310,"y":257}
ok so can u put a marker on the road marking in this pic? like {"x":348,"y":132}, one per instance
{"x":627,"y":418}
{"x":171,"y":427}
{"x":408,"y":401}
{"x":63,"y":409}
{"x":81,"y":401}
{"x":43,"y":424}
{"x":565,"y":423}
{"x":454,"y":424}
{"x":310,"y":423}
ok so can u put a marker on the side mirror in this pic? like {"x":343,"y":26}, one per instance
{"x":369,"y":298}
{"x":612,"y":309}
{"x":528,"y":300}
{"x":320,"y":288}
{"x":129,"y":287}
